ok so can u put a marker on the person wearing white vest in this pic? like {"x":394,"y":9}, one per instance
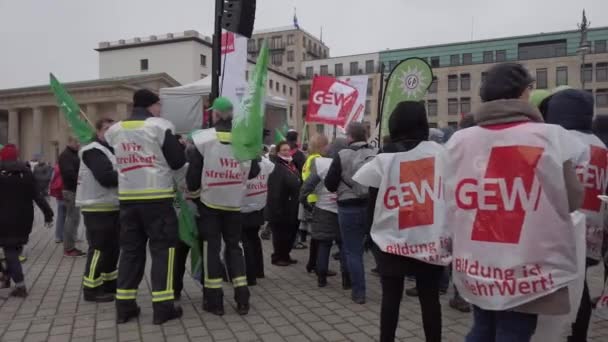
{"x":219,"y":180}
{"x":253,"y":218}
{"x":573,"y":110}
{"x":147,"y":156}
{"x":407,"y":223}
{"x":97,"y":197}
{"x":512,"y":185}
{"x":325,"y":226}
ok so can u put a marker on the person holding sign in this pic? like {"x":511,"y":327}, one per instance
{"x":407,"y":210}
{"x":573,"y":110}
{"x":512,"y":185}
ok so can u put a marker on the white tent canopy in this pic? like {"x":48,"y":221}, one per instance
{"x":183,"y":105}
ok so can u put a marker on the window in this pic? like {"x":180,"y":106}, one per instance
{"x":260,"y":42}
{"x":290,"y":91}
{"x":369,"y":67}
{"x":277,"y":86}
{"x":270,"y":84}
{"x":392,"y":65}
{"x":587,"y":73}
{"x":290,"y":56}
{"x":338,"y":70}
{"x":454,"y":59}
{"x":433,"y":87}
{"x":541,"y":79}
{"x":370,"y":86}
{"x":431,"y":107}
{"x":143,"y":64}
{"x":304,"y":41}
{"x":247,"y":75}
{"x":290,"y":39}
{"x":465,"y":82}
{"x":277,"y":59}
{"x":368,"y":107}
{"x":250,"y":45}
{"x":501,"y":55}
{"x":452,"y":106}
{"x":203,"y":60}
{"x":284,"y":89}
{"x":546,"y":49}
{"x":452,"y":82}
{"x":488,"y":56}
{"x":600,"y":46}
{"x":290,"y":70}
{"x":433,"y":125}
{"x":601,"y":72}
{"x":324,"y":70}
{"x":561,"y":76}
{"x":276,"y":42}
{"x":354,"y":68}
{"x":601,"y":98}
{"x":484,"y":75}
{"x":309,"y":71}
{"x":304,"y":110}
{"x":304,"y":90}
{"x":435,"y":62}
{"x":203,"y":76}
{"x":467,"y":58}
{"x":465,"y":105}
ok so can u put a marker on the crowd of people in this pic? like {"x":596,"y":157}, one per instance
{"x":489,"y":206}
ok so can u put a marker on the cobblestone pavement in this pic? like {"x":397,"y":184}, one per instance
{"x":286,"y":306}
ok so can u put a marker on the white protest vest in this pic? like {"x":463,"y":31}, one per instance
{"x":592,"y":169}
{"x":224,"y":179}
{"x":325,"y":200}
{"x":143,"y":171}
{"x":257,"y":188}
{"x":512,"y":232}
{"x":410,"y":213}
{"x":90,"y":195}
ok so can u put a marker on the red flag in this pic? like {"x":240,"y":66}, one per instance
{"x":331,"y":101}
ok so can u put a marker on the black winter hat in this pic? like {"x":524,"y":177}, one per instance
{"x":571,"y":109}
{"x":408,"y":121}
{"x":505,"y":81}
{"x":144,"y":98}
{"x":291,"y":136}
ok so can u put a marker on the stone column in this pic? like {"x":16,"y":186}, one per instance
{"x":121,"y":111}
{"x":91,"y":112}
{"x":13,"y":126}
{"x":37,"y":130}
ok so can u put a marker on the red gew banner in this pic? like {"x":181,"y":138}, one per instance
{"x":331,"y":101}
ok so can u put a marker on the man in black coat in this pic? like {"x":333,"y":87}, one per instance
{"x":69,"y":163}
{"x":17,"y":213}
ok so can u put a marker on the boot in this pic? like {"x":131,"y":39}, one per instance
{"x":124,"y":317}
{"x":214,"y":306}
{"x":19,"y":291}
{"x":322,"y":280}
{"x":162,"y":317}
{"x":242,"y":309}
{"x":98,"y":297}
{"x":346,"y":281}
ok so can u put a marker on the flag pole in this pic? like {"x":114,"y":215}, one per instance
{"x":86,"y":118}
{"x":380,"y":104}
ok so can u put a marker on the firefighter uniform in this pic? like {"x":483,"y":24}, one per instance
{"x":222,"y":188}
{"x":147,"y":153}
{"x":97,"y":196}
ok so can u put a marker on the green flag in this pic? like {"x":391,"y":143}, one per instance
{"x":278,"y":136}
{"x":188,"y":233}
{"x":248,"y":122}
{"x":408,"y":81}
{"x":80,"y":128}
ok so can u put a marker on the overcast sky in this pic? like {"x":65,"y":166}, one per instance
{"x":40,"y":36}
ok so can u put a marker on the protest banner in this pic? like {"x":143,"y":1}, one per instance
{"x":331,"y":101}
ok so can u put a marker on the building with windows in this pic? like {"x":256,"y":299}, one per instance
{"x":289,"y":46}
{"x":555,"y":59}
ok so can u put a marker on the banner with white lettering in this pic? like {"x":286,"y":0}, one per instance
{"x":357,"y":113}
{"x":409,"y":218}
{"x":332,"y":101}
{"x":591,"y":170}
{"x":512,"y":233}
{"x":234,"y":66}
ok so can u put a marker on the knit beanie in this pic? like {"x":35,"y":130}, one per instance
{"x":9,"y":153}
{"x":144,"y":98}
{"x":408,"y":121}
{"x":505,"y":81}
{"x":571,"y":109}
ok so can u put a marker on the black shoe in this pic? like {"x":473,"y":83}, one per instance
{"x":19,"y":291}
{"x":125,"y":317}
{"x":309,"y":268}
{"x":164,"y":317}
{"x":292,"y":261}
{"x":252,"y":282}
{"x":322,"y":281}
{"x":281,"y":263}
{"x":413,"y":292}
{"x":331,"y":273}
{"x":460,"y":304}
{"x":214,"y":309}
{"x":359,"y":300}
{"x":242,"y":309}
{"x":346,"y":285}
{"x":99,"y":297}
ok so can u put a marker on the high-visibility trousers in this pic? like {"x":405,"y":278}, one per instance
{"x":102,"y":231}
{"x":140,"y":222}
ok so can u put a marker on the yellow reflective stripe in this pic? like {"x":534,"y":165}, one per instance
{"x":146,"y":191}
{"x":92,"y":283}
{"x":94,"y":261}
{"x":163,"y":298}
{"x":225,"y":137}
{"x":101,"y":207}
{"x":135,"y":198}
{"x":194,"y":194}
{"x":212,"y":286}
{"x":126,"y":294}
{"x":239,"y":281}
{"x":220,"y":207}
{"x":170,"y":262}
{"x":146,"y":194}
{"x":132,"y":124}
{"x":98,"y":210}
{"x":209,"y":283}
{"x":110,"y":276}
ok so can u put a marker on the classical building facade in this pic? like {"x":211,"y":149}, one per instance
{"x":30,"y":118}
